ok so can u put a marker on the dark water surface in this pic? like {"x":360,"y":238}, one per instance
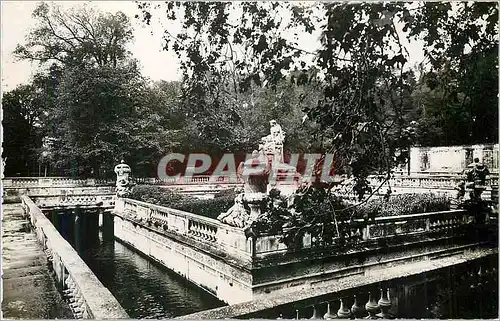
{"x":144,"y":288}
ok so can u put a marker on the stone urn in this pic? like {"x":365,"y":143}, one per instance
{"x":123,"y":185}
{"x":255,"y":174}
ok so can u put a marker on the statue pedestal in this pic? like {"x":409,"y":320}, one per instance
{"x":255,"y":189}
{"x":254,"y":201}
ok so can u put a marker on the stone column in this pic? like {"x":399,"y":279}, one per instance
{"x":107,"y":227}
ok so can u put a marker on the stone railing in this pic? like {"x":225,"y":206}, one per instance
{"x":104,"y":200}
{"x":208,"y":231}
{"x":395,"y":292}
{"x":88,"y":297}
{"x":430,"y":182}
{"x":193,"y":180}
{"x":388,"y":229}
{"x":27,"y":182}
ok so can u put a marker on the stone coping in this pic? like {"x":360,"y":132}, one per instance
{"x":180,"y":213}
{"x":205,"y":247}
{"x":101,"y":303}
{"x":350,"y":282}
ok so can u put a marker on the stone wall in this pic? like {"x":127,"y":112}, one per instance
{"x":203,"y":267}
{"x":221,"y":260}
{"x":452,"y":159}
{"x":93,"y":300}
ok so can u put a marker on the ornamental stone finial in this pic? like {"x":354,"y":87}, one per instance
{"x":123,"y":185}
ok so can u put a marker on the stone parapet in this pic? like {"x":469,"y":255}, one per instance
{"x":269,"y":268}
{"x":90,"y":299}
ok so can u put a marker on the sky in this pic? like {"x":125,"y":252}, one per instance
{"x":16,"y":22}
{"x":157,"y":64}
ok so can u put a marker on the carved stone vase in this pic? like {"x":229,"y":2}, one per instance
{"x":256,"y":177}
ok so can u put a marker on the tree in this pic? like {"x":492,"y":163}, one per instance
{"x":22,"y":114}
{"x":81,"y":36}
{"x":103,"y":115}
{"x":361,"y":66}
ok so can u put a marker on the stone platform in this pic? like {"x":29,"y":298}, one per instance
{"x":28,"y":288}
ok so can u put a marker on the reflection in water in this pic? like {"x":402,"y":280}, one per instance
{"x":144,"y":288}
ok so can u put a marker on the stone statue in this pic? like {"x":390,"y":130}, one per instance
{"x":476,"y":174}
{"x":237,"y":215}
{"x":273,"y":143}
{"x":255,"y":173}
{"x":123,"y":185}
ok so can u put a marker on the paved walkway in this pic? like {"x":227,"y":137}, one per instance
{"x":29,"y":291}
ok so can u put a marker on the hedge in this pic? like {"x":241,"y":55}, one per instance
{"x":168,"y":198}
{"x":403,"y":204}
{"x":395,"y":205}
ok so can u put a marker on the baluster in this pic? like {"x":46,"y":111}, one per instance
{"x":196,"y":230}
{"x":472,"y":280}
{"x":384,"y":304}
{"x":207,"y":232}
{"x":203,"y":231}
{"x":343,"y":312}
{"x":371,"y":307}
{"x":315,"y":314}
{"x":480,"y":275}
{"x":356,"y":309}
{"x":74,"y":298}
{"x":329,"y":315}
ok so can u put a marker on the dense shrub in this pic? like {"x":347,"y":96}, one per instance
{"x":403,"y":204}
{"x":166,"y":197}
{"x":155,"y":195}
{"x":395,"y":205}
{"x":206,"y":207}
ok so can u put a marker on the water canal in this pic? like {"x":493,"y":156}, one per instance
{"x":144,"y":288}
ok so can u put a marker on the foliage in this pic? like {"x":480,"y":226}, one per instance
{"x":22,"y":135}
{"x":165,"y":197}
{"x":329,"y":220}
{"x":403,"y":204}
{"x":361,"y":68}
{"x":78,"y":37}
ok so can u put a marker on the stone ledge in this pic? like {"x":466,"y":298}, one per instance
{"x":101,"y":303}
{"x":201,"y":246}
{"x":398,"y":272}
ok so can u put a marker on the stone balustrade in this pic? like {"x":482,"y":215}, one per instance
{"x":102,"y":200}
{"x":387,"y":229}
{"x":26,"y":182}
{"x":87,"y":296}
{"x":209,"y":252}
{"x":431,"y":182}
{"x":396,"y":292}
{"x":208,"y":231}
